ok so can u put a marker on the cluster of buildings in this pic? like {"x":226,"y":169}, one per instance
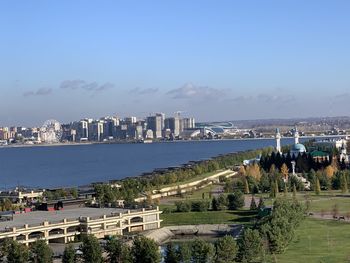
{"x":320,"y":150}
{"x":157,"y":126}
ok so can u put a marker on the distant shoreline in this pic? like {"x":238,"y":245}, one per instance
{"x":176,"y":141}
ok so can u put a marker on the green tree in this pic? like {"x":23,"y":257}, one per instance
{"x":279,"y":228}
{"x":226,"y":250}
{"x":235,"y":200}
{"x":145,"y":250}
{"x":273,"y":192}
{"x":92,"y":252}
{"x":184,"y":252}
{"x":317,"y":186}
{"x":222,"y":202}
{"x":250,"y":246}
{"x":202,"y":252}
{"x":171,"y":255}
{"x":6,"y":204}
{"x":15,"y":252}
{"x":117,"y":251}
{"x":69,"y":254}
{"x":41,"y":252}
{"x":214,"y":204}
{"x":253,"y":204}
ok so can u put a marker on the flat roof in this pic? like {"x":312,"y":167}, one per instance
{"x":38,"y":217}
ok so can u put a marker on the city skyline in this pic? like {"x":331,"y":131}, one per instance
{"x":231,"y":61}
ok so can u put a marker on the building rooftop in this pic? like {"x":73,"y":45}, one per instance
{"x":38,"y":217}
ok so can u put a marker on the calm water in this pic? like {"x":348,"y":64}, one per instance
{"x":83,"y":164}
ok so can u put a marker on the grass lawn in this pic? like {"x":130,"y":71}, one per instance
{"x":319,"y":241}
{"x":327,"y":204}
{"x":209,"y":217}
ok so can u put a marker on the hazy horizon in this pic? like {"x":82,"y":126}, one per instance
{"x":215,"y":61}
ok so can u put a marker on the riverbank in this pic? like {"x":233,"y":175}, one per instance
{"x":159,"y":141}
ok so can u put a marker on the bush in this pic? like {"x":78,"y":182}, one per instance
{"x":235,"y":200}
{"x":200,"y":206}
{"x":183,"y":206}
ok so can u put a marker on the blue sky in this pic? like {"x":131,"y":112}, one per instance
{"x":215,"y":60}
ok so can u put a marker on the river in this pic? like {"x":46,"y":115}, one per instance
{"x":76,"y":165}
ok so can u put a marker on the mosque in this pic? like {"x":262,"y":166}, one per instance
{"x":296,"y":149}
{"x":320,"y":150}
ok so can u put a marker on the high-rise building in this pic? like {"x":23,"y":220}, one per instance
{"x":154,"y":123}
{"x":83,"y":130}
{"x":109,"y":127}
{"x":173,"y":124}
{"x":188,"y":123}
{"x":96,"y":130}
{"x":130,"y":120}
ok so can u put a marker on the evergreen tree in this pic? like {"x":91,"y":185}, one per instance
{"x":279,"y":228}
{"x":222,"y":202}
{"x":250,"y":246}
{"x":68,"y":254}
{"x":145,"y":250}
{"x":170,"y":254}
{"x":41,"y":252}
{"x":274,"y":189}
{"x":184,"y":253}
{"x":226,"y":250}
{"x":235,"y":200}
{"x":317,"y":186}
{"x":16,"y":252}
{"x":214,"y":204}
{"x":117,"y":251}
{"x":202,"y":252}
{"x":92,"y":252}
{"x":253,"y":204}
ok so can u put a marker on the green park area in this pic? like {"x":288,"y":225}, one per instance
{"x":208,"y":217}
{"x":319,"y":241}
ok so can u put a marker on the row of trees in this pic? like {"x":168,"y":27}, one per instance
{"x":231,"y":201}
{"x":271,"y":235}
{"x":252,"y":179}
{"x":143,"y":250}
{"x":303,"y":162}
{"x":15,"y":252}
{"x":133,"y":187}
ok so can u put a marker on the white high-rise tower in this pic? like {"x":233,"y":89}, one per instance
{"x":296,"y":135}
{"x":278,"y":140}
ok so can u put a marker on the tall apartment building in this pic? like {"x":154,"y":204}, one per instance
{"x":173,"y":124}
{"x":83,"y":130}
{"x":130,"y":120}
{"x":155,"y":123}
{"x":96,"y":130}
{"x":188,"y":123}
{"x":109,"y":127}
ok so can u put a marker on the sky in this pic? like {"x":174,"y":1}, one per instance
{"x":214,"y":60}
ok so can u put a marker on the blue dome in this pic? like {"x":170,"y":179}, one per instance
{"x":298,"y":148}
